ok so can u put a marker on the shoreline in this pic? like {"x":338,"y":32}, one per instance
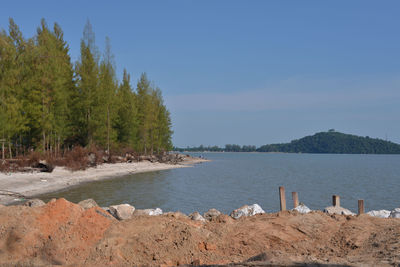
{"x":38,"y":183}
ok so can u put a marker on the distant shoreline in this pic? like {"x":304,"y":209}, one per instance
{"x":38,"y":183}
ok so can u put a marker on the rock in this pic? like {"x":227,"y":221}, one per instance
{"x":195,"y":216}
{"x":247,"y":211}
{"x":43,"y":166}
{"x":107,"y":209}
{"x":302,"y":209}
{"x":88,"y":204}
{"x":105,"y":158}
{"x":149,"y":212}
{"x":34,"y":203}
{"x":211,"y":213}
{"x":92,"y":159}
{"x":52,"y":200}
{"x":379,"y":213}
{"x":395,"y":213}
{"x":338,"y":210}
{"x":122,"y":211}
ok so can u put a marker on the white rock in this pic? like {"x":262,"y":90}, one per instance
{"x":247,"y":211}
{"x":338,"y":210}
{"x":195,"y":216}
{"x":88,"y":204}
{"x":122,"y":211}
{"x":395,"y":213}
{"x":34,"y":203}
{"x":150,"y":212}
{"x":302,"y":209}
{"x":379,"y":213}
{"x":211,"y":213}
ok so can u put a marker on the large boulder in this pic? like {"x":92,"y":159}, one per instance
{"x":379,"y":213}
{"x":43,"y":166}
{"x":34,"y":203}
{"x":247,"y":211}
{"x":195,"y":216}
{"x":149,"y":212}
{"x":211,"y":213}
{"x":302,"y":209}
{"x":338,"y":210}
{"x":122,"y":211}
{"x":395,"y":213}
{"x":88,"y":204}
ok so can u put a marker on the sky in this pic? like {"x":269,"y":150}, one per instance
{"x":247,"y":72}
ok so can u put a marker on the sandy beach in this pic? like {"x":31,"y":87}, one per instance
{"x":37,"y":183}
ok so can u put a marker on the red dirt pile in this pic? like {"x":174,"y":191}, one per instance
{"x":63,"y":233}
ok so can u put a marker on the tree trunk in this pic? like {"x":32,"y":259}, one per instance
{"x":108,"y":130}
{"x":44,"y":142}
{"x":9,"y":149}
{"x":2,"y":149}
{"x":16,"y":148}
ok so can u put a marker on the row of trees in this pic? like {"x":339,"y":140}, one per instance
{"x":48,"y":103}
{"x":323,"y":142}
{"x":227,"y":148}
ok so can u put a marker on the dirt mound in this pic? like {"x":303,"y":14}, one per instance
{"x":63,"y":233}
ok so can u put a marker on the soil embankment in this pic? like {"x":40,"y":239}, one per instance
{"x":63,"y":233}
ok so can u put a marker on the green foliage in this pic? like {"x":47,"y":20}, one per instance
{"x":47,"y":103}
{"x":325,"y":142}
{"x":335,"y":143}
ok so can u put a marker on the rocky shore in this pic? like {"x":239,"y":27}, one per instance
{"x":68,"y":234}
{"x":16,"y":186}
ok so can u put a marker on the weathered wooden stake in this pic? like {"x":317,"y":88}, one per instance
{"x":282,"y":198}
{"x":336,"y":201}
{"x":295,"y":197}
{"x":360,"y":206}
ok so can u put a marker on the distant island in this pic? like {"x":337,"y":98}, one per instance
{"x":330,"y":142}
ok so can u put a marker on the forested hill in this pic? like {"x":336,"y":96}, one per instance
{"x":335,"y":143}
{"x":324,"y":142}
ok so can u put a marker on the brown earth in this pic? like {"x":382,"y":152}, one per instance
{"x":63,"y":233}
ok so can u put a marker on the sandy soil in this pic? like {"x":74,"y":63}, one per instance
{"x":62,"y":233}
{"x":31,"y":184}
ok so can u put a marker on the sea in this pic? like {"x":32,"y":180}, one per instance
{"x":231,"y":180}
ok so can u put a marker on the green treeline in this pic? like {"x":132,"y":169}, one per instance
{"x":324,"y":142}
{"x":335,"y":143}
{"x":227,"y":148}
{"x":49,"y":103}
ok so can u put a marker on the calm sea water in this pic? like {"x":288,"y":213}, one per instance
{"x":231,"y":180}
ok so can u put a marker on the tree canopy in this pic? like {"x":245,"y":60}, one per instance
{"x":49,"y":103}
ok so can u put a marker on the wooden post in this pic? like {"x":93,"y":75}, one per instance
{"x":336,"y":201}
{"x":360,"y":206}
{"x":295,"y":197}
{"x":282,"y":198}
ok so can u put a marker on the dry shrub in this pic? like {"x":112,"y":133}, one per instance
{"x":33,"y":158}
{"x":76,"y":159}
{"x":4,"y":166}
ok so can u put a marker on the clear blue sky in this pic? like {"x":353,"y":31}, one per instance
{"x":248,"y":72}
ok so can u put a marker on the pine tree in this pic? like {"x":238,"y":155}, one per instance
{"x":105,"y":111}
{"x":85,"y":102}
{"x":11,"y":113}
{"x":127,"y":122}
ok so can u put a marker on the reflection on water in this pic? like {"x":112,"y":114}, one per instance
{"x":231,"y":180}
